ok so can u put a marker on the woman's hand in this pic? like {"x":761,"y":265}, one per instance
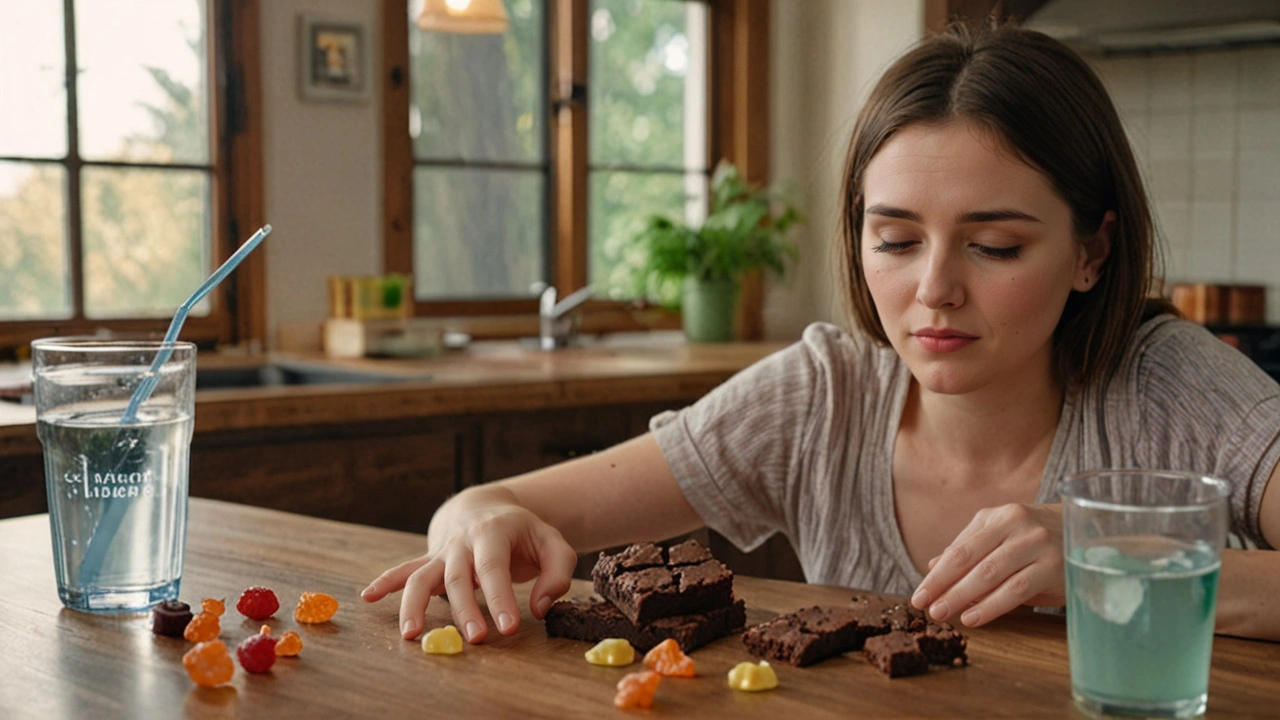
{"x":1007,"y":556}
{"x":481,"y":538}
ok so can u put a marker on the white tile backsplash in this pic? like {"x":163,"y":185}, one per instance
{"x":1205,"y":129}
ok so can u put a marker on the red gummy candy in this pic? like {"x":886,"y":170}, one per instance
{"x":257,"y":653}
{"x":257,"y":603}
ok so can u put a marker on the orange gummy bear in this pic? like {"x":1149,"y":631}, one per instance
{"x":635,"y":690}
{"x":208,"y":664}
{"x":202,"y":628}
{"x":315,"y":607}
{"x":666,"y":658}
{"x":289,"y":645}
{"x":213,"y":606}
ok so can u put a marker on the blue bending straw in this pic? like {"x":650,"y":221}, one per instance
{"x":109,"y":524}
{"x":152,"y":378}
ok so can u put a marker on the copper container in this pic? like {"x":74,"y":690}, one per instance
{"x":1211,"y":304}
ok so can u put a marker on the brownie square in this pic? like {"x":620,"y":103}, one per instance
{"x":805,"y":636}
{"x":647,"y":582}
{"x":942,"y":644}
{"x":593,"y":619}
{"x":880,"y":614}
{"x":896,"y":654}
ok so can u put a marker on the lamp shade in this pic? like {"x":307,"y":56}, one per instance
{"x":463,"y":16}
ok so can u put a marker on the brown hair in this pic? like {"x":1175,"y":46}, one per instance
{"x":1047,"y":106}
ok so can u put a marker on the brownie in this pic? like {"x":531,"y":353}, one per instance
{"x":896,"y":654}
{"x":942,"y":644}
{"x":805,"y":636}
{"x":647,"y":582}
{"x":593,"y":619}
{"x":880,"y":614}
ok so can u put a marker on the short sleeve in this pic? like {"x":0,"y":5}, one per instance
{"x":737,"y":452}
{"x":1207,"y":408}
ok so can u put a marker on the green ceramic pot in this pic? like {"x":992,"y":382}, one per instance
{"x":708,"y":307}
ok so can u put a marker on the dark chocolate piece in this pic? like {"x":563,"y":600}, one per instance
{"x":942,"y":644}
{"x":170,"y":618}
{"x":593,"y":619}
{"x":645,"y":591}
{"x":896,"y":654}
{"x":805,"y":636}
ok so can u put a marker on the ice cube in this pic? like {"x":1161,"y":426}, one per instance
{"x":1114,"y":598}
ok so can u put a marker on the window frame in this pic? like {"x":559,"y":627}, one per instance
{"x":738,"y":125}
{"x":238,"y":308}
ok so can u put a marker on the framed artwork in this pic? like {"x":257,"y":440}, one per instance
{"x":333,"y":60}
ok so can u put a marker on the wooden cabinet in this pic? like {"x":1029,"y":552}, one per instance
{"x":395,"y":474}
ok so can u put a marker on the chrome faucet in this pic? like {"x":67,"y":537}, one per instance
{"x":558,"y":321}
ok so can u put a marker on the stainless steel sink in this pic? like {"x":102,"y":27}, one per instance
{"x":281,"y":373}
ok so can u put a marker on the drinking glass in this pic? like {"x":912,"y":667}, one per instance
{"x":1142,"y":550}
{"x":117,"y":490}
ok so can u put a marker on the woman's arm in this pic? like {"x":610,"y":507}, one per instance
{"x":1249,"y":582}
{"x":1012,"y":555}
{"x":533,"y":525}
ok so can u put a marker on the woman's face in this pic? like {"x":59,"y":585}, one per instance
{"x":969,"y":255}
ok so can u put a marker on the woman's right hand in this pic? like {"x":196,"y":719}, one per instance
{"x":480,"y":538}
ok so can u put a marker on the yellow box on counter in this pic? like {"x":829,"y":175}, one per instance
{"x":370,"y":297}
{"x":388,"y":337}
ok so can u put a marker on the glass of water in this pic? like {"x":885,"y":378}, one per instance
{"x":117,"y":490}
{"x":1142,"y":552}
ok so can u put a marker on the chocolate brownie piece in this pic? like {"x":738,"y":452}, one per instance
{"x":593,"y":619}
{"x":646,"y":583}
{"x":896,"y":654}
{"x":805,"y":636}
{"x":942,"y":644}
{"x":880,"y":614}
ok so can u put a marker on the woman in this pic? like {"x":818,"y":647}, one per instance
{"x":999,"y":257}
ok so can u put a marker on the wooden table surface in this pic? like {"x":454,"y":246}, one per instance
{"x":57,"y":663}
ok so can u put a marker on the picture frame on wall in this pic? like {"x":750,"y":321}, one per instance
{"x":333,"y":60}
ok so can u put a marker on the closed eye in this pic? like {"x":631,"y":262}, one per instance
{"x":999,"y":253}
{"x":891,"y":247}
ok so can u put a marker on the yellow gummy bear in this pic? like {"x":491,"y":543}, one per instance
{"x":442,"y":641}
{"x":612,"y":651}
{"x":752,"y":678}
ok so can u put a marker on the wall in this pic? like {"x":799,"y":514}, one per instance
{"x":321,"y":170}
{"x":1204,"y":127}
{"x":323,"y":184}
{"x":826,"y":56}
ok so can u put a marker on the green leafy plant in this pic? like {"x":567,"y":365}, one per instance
{"x":745,"y":229}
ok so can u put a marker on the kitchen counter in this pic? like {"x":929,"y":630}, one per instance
{"x":485,"y":377}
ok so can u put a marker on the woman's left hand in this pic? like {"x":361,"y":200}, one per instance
{"x":1007,"y":556}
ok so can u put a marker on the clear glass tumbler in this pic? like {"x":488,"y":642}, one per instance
{"x":1142,"y":552}
{"x":117,"y":491}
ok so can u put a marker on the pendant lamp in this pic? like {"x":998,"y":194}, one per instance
{"x":472,"y":17}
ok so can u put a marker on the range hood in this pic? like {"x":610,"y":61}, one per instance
{"x":1127,"y":26}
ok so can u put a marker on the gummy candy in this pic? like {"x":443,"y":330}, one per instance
{"x":752,"y":678}
{"x":214,"y":606}
{"x":635,"y":690}
{"x":170,"y":618}
{"x":289,"y":644}
{"x":442,"y":641}
{"x":257,"y":653}
{"x":615,"y":652}
{"x":315,"y":607}
{"x":202,"y":628}
{"x":666,"y":658}
{"x":208,"y":664}
{"x":257,"y":603}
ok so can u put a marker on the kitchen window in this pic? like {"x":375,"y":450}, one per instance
{"x":115,"y":165}
{"x":529,"y":158}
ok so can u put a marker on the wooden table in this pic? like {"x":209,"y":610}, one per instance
{"x":56,"y":663}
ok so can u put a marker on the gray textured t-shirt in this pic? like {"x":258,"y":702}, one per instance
{"x":802,"y":442}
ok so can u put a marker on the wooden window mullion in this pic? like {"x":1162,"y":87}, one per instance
{"x":570,"y":119}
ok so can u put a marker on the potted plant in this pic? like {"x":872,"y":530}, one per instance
{"x":701,"y":268}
